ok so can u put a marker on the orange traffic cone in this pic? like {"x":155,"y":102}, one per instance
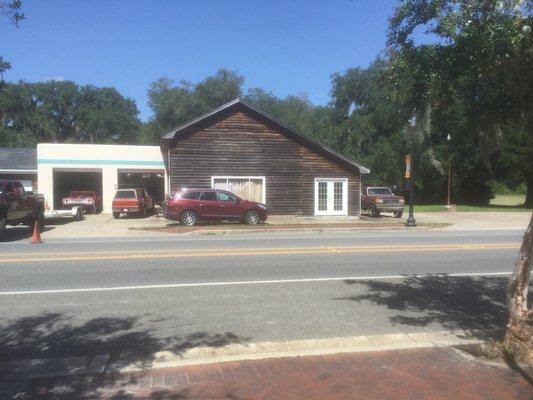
{"x":36,"y":237}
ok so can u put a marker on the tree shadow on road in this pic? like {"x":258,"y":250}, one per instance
{"x":55,"y":335}
{"x":476,"y":305}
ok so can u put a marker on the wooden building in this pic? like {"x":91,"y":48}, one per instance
{"x":242,"y":149}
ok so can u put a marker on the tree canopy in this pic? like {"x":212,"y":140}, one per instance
{"x":57,"y":111}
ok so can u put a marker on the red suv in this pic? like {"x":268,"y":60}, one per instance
{"x":191,"y":205}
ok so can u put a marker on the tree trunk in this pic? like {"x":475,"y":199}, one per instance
{"x":529,"y":194}
{"x":519,"y":325}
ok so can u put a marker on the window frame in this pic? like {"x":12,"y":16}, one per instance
{"x":249,"y":177}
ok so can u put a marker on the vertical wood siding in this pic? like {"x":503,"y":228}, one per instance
{"x":240,"y":145}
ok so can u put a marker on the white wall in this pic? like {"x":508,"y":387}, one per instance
{"x":94,"y":157}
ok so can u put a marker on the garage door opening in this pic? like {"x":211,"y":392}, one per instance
{"x":153,"y":182}
{"x":67,"y":181}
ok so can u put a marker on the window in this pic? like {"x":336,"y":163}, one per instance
{"x":125,"y":194}
{"x":246,"y":187}
{"x":225,"y":197}
{"x":379,"y":191}
{"x":209,"y":196}
{"x":190,"y":195}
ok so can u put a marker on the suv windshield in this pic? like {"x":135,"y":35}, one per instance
{"x":379,"y":191}
{"x":125,"y":194}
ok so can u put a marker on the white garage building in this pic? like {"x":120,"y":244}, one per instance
{"x":65,"y":167}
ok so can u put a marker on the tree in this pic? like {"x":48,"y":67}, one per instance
{"x":173,"y":105}
{"x":12,"y":10}
{"x":520,"y":325}
{"x":479,"y":66}
{"x":104,"y":116}
{"x":65,"y":112}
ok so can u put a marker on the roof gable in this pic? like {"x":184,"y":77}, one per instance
{"x":186,"y":129}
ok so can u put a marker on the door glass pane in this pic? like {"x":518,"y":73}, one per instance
{"x":322,"y":196}
{"x":337,"y":196}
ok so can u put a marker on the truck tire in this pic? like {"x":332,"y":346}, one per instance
{"x":374,"y":212}
{"x":3,"y":227}
{"x":398,"y":214}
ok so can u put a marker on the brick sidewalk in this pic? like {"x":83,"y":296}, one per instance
{"x":428,"y":373}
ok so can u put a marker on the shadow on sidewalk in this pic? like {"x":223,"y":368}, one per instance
{"x":476,"y":305}
{"x":53,"y":335}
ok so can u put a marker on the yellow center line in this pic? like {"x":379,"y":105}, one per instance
{"x":158,"y":254}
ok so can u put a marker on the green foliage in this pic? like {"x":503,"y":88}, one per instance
{"x":65,"y":112}
{"x":12,"y":10}
{"x":473,"y":84}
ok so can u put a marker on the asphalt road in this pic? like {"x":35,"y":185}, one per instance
{"x":140,"y":295}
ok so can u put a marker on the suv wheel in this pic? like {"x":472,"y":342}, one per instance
{"x":374,"y":212}
{"x":252,"y":217}
{"x":3,"y":223}
{"x":398,"y":214}
{"x":189,"y":218}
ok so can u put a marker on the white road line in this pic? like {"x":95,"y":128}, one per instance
{"x":240,"y":283}
{"x":235,"y":237}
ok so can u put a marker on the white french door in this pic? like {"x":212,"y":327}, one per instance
{"x":331,"y":196}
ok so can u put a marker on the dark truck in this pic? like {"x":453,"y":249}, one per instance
{"x":17,"y":207}
{"x":381,"y":199}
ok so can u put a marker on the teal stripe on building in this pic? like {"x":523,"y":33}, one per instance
{"x":49,"y":161}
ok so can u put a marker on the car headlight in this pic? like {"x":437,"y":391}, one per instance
{"x":379,"y":200}
{"x":263,"y":206}
{"x":402,"y":201}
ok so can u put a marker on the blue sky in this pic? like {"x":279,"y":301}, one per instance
{"x":288,"y":47}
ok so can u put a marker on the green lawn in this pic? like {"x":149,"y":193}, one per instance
{"x":501,"y":203}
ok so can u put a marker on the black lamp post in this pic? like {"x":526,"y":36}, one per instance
{"x":411,"y":218}
{"x":409,"y":174}
{"x":449,"y":203}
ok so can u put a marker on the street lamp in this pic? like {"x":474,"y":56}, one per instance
{"x":411,"y":222}
{"x":449,"y":204}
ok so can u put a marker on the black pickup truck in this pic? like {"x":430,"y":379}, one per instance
{"x":18,"y":207}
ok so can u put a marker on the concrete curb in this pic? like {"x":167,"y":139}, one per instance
{"x":99,"y":364}
{"x":297,"y":348}
{"x":230,"y":231}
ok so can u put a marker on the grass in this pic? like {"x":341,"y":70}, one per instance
{"x":501,"y":203}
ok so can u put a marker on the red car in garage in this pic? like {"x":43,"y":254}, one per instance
{"x":191,"y":205}
{"x":87,"y":199}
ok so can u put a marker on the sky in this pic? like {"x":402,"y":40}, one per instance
{"x":287,"y":47}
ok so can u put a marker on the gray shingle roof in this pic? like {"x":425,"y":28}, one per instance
{"x":18,"y":158}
